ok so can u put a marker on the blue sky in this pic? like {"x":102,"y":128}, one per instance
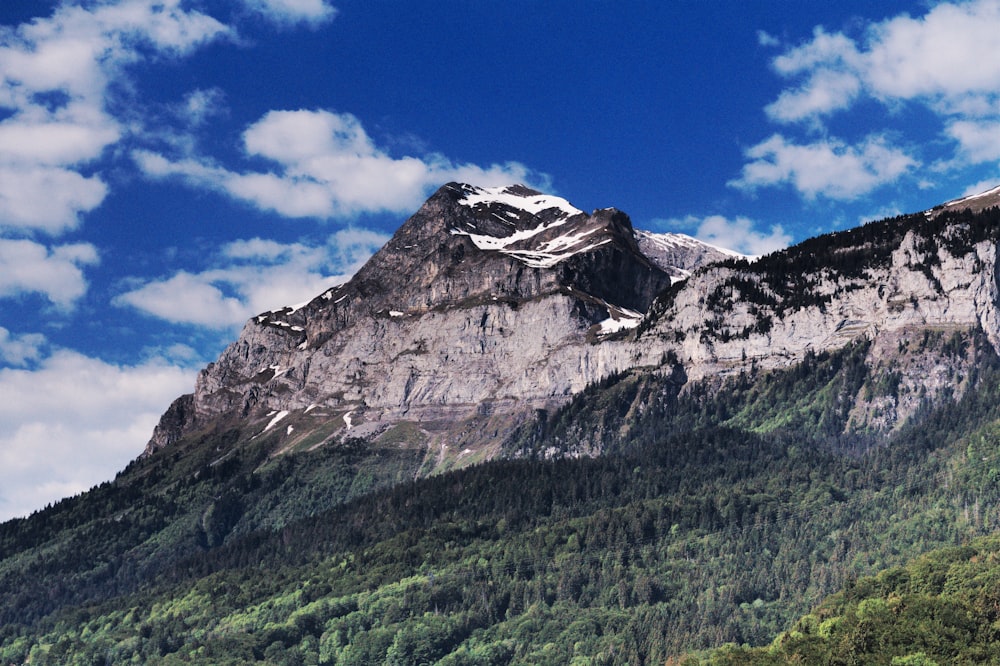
{"x":170,"y":168}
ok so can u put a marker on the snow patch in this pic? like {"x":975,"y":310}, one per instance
{"x":484,"y":242}
{"x":620,"y":319}
{"x":684,"y":275}
{"x":347,"y":420}
{"x":280,"y":415}
{"x":546,"y":254}
{"x":973,"y":197}
{"x":395,"y":313}
{"x":544,"y":259}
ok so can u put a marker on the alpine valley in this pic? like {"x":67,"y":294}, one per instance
{"x":525,"y":434}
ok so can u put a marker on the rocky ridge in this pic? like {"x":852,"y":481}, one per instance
{"x":488,"y":304}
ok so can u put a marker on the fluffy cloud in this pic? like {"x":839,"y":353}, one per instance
{"x":945,"y":59}
{"x":291,"y":12}
{"x":943,"y":62}
{"x":55,"y":77}
{"x":326,"y":166}
{"x":827,"y":168}
{"x":48,"y":199}
{"x":979,"y":140}
{"x":946,"y":56}
{"x":74,"y":422}
{"x":255,"y":276}
{"x":56,"y":273}
{"x":829,"y":65}
{"x":19,"y":350}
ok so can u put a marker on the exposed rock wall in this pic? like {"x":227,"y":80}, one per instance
{"x":434,"y":326}
{"x":483,"y":305}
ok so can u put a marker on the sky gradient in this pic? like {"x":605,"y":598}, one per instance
{"x":170,"y":168}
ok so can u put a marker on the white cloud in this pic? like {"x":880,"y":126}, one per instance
{"x":18,"y":350}
{"x":186,"y":298}
{"x":942,"y":62}
{"x":327,"y":166}
{"x":47,"y":199}
{"x":54,"y":142}
{"x":824,"y":168}
{"x":256,"y":275}
{"x":55,"y":77}
{"x":942,"y":59}
{"x":56,"y":273}
{"x":979,"y":140}
{"x":311,"y":12}
{"x":826,"y":91}
{"x":947,"y":55}
{"x":200,"y":105}
{"x":74,"y":422}
{"x":767,"y":39}
{"x":829,"y":64}
{"x":739,"y":234}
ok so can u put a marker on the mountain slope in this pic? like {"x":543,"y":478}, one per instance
{"x":941,"y":608}
{"x":690,"y":537}
{"x":699,"y":490}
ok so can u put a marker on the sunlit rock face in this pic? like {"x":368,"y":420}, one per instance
{"x":485,"y":299}
{"x":489,"y":303}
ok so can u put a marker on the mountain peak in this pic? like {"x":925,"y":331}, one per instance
{"x":506,"y":288}
{"x":539,"y":230}
{"x":516,"y":198}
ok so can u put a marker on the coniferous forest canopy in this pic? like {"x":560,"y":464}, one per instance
{"x":743,"y":512}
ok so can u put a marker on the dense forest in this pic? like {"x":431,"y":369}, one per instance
{"x":941,"y":608}
{"x":719,"y":515}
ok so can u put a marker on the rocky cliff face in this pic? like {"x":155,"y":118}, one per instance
{"x":490,"y":303}
{"x":908,"y":284}
{"x":483,"y":301}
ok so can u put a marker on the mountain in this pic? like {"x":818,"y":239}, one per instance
{"x":486,"y":305}
{"x":679,"y":254}
{"x":528,"y":300}
{"x":662,"y":465}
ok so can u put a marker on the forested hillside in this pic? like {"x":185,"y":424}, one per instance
{"x":722,"y":513}
{"x":941,"y":608}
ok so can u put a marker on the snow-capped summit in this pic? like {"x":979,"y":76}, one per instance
{"x":516,"y":198}
{"x":529,"y":226}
